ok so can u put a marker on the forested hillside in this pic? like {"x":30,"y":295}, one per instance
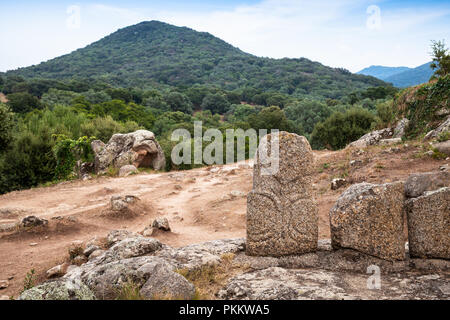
{"x":158,"y":54}
{"x":159,"y":77}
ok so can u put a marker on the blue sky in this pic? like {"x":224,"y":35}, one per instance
{"x":342,"y":33}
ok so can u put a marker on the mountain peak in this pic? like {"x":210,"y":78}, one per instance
{"x":155,"y":53}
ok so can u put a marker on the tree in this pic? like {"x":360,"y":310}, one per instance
{"x":271,"y":118}
{"x":307,"y":113}
{"x":216,"y":103}
{"x":6,"y":126}
{"x":179,"y":102}
{"x":23,"y":102}
{"x":441,"y":59}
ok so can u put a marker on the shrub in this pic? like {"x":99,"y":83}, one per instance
{"x":342,"y":128}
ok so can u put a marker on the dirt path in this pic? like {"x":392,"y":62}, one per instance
{"x":198,"y":204}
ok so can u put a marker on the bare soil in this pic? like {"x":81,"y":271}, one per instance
{"x":197,"y":203}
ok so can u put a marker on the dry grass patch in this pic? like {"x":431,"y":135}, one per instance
{"x":209,"y":279}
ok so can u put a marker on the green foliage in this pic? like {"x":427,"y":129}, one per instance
{"x":216,"y":103}
{"x":307,"y":113}
{"x":129,"y":291}
{"x":179,"y":102}
{"x":385,"y":113}
{"x":441,"y":59}
{"x":68,"y":151}
{"x":6,"y":127}
{"x":421,"y":105}
{"x":342,"y":128}
{"x":23,"y":102}
{"x":29,"y":281}
{"x":160,"y":55}
{"x":272,"y":118}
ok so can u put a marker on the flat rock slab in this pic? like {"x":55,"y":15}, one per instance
{"x":276,"y":283}
{"x":369,"y":218}
{"x":429,"y":224}
{"x":282,"y":216}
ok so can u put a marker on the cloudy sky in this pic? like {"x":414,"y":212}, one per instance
{"x":342,"y":33}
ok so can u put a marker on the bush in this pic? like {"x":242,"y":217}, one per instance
{"x":6,"y":126}
{"x":342,"y":128}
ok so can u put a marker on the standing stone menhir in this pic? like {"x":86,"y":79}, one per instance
{"x":282,"y":216}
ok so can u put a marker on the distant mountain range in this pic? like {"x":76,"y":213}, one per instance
{"x":400,"y":76}
{"x":159,"y":54}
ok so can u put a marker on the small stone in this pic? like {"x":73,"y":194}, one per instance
{"x":178,"y":187}
{"x":127,"y":170}
{"x":148,"y":231}
{"x":237,"y":194}
{"x":33,"y":221}
{"x":338,"y":183}
{"x":161,"y":223}
{"x":33,"y":244}
{"x":57,"y":271}
{"x":4,"y":284}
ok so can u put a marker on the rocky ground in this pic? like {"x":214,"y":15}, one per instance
{"x":203,"y":205}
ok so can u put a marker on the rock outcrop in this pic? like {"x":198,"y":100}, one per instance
{"x":154,"y":269}
{"x":443,"y":147}
{"x":138,"y":148}
{"x":369,"y":218}
{"x":282,"y":216}
{"x":61,"y":289}
{"x":372,"y":138}
{"x":418,"y":183}
{"x":428,"y":219}
{"x":443,"y":127}
{"x":276,"y":283}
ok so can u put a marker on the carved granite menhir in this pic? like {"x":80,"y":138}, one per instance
{"x":282,"y":216}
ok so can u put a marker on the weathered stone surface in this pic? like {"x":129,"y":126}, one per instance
{"x":127,"y":170}
{"x":138,"y":148}
{"x":107,"y":279}
{"x":121,"y":203}
{"x":325,"y":258}
{"x":372,"y":138}
{"x":90,"y":249}
{"x":444,"y":126}
{"x":418,"y":183}
{"x":118,"y":235}
{"x":4,"y":284}
{"x":282,"y":216}
{"x":302,"y":284}
{"x":443,"y":147}
{"x":385,"y":142}
{"x":429,"y":224}
{"x":399,"y":130}
{"x":164,"y":283}
{"x":196,"y":255}
{"x":33,"y":221}
{"x":57,"y":271}
{"x":131,"y":247}
{"x":369,"y":218}
{"x":61,"y":289}
{"x":161,"y":223}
